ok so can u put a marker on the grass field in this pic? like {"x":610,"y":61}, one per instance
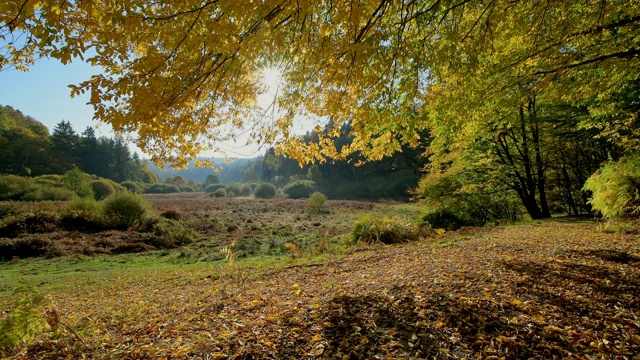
{"x":551,"y":289}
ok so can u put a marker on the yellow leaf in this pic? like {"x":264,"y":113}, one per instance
{"x":538,"y":319}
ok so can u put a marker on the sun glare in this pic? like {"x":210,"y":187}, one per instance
{"x":272,"y":79}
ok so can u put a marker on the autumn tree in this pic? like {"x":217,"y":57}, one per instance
{"x":186,"y":76}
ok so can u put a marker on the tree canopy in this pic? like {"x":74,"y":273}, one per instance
{"x":185,"y":76}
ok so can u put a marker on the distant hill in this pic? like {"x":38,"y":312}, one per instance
{"x":230,"y":172}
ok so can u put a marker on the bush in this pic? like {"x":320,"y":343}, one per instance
{"x":213,"y":188}
{"x":186,"y":189}
{"x":13,"y":187}
{"x":246,"y":190}
{"x":162,"y":188}
{"x":444,"y":219}
{"x":220,"y":193}
{"x":177,"y":180}
{"x":48,"y":193}
{"x":388,"y":230}
{"x":265,"y":191}
{"x":178,"y":233}
{"x":316,"y":202}
{"x":212,"y":179}
{"x":299,"y":189}
{"x":84,"y":214}
{"x":232,"y":190}
{"x":132,"y":187}
{"x":77,"y":181}
{"x":125,"y":209}
{"x":615,"y":188}
{"x":23,"y":321}
{"x":102,"y":189}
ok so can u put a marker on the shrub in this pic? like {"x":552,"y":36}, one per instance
{"x":125,"y":209}
{"x":220,"y":193}
{"x":78,"y":182}
{"x":213,"y":188}
{"x":162,"y":188}
{"x":102,"y":189}
{"x":388,"y":230}
{"x":83,"y":214}
{"x":132,"y":187}
{"x":616,"y":188}
{"x":232,"y":190}
{"x":13,"y":187}
{"x":48,"y":193}
{"x":9,"y":209}
{"x":212,"y":179}
{"x":246,"y":190}
{"x":186,"y":189}
{"x":178,"y":180}
{"x":179,"y":233}
{"x":23,"y":321}
{"x":172,"y":214}
{"x":316,"y":202}
{"x":265,"y":191}
{"x":444,"y":219}
{"x":299,"y":189}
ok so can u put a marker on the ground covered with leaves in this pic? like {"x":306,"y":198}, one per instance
{"x":552,"y":289}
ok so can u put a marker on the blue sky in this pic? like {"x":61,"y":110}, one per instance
{"x":43,"y":94}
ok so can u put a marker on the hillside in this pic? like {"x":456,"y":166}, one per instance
{"x":553,"y":289}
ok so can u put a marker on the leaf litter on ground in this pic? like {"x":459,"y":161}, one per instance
{"x":541,"y":290}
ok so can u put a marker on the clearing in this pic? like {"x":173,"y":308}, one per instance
{"x":550,"y":289}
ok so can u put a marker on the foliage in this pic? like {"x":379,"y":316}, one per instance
{"x":245,"y":190}
{"x":77,"y":181}
{"x":444,"y":219}
{"x":162,"y":188}
{"x":179,"y":232}
{"x":212,"y":179}
{"x":84,"y":214}
{"x":133,"y":186}
{"x":265,"y":191}
{"x":23,"y":321}
{"x":102,"y":189}
{"x":220,"y":193}
{"x":387,"y":230}
{"x":299,"y":189}
{"x":214,"y":187}
{"x":13,"y":187}
{"x":316,"y":202}
{"x":48,"y":193}
{"x":466,"y":198}
{"x":616,"y":187}
{"x":233,"y":189}
{"x":126,"y":209}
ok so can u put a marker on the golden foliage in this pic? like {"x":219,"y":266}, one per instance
{"x":185,"y":75}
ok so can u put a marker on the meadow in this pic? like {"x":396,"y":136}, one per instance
{"x":268,"y":279}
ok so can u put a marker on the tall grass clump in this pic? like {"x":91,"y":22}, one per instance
{"x":387,"y":230}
